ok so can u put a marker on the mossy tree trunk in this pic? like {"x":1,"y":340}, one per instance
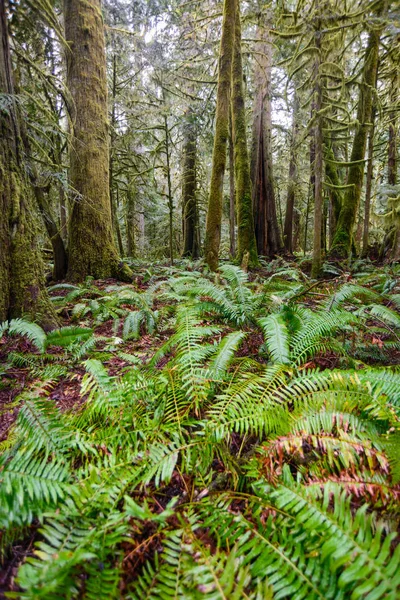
{"x":113,"y":131}
{"x":189,"y":185}
{"x":60,"y":257}
{"x":232,"y":201}
{"x":91,"y":245}
{"x":292,"y":184}
{"x":263,"y":192}
{"x":343,"y":239}
{"x":22,"y":291}
{"x":334,"y":188}
{"x":214,"y":213}
{"x":130,"y":214}
{"x":318,"y":162}
{"x":368,"y":186}
{"x":246,"y":240}
{"x":393,"y":147}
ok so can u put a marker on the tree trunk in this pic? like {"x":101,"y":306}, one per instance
{"x":368,"y":186}
{"x":263,"y":197}
{"x":189,"y":184}
{"x":22,"y":291}
{"x":392,"y":150}
{"x":169,"y":192}
{"x":246,"y":242}
{"x":335,"y":194}
{"x":232,"y":207}
{"x":60,"y":257}
{"x":343,"y":239}
{"x":130,"y":220}
{"x":91,"y":245}
{"x":292,"y":184}
{"x":214,"y":213}
{"x":113,"y":200}
{"x":318,"y":164}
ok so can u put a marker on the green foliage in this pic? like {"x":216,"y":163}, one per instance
{"x":214,"y":469}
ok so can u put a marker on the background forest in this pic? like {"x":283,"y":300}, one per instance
{"x":199,"y":299}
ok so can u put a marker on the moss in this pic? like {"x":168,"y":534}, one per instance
{"x":28,"y":296}
{"x":343,"y":239}
{"x":245,"y":222}
{"x":214,"y":213}
{"x":92,"y":250}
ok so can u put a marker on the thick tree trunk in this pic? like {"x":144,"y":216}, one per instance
{"x":214,"y":213}
{"x":189,"y":184}
{"x":22,"y":291}
{"x":246,"y":242}
{"x":292,"y":183}
{"x":91,"y":245}
{"x":264,"y":203}
{"x":343,"y":239}
{"x":335,"y":193}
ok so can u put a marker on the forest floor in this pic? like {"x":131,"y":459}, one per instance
{"x":252,"y":322}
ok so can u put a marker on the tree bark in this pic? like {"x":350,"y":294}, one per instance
{"x":130,"y":208}
{"x":214,"y":213}
{"x":60,"y":256}
{"x":263,"y":196}
{"x":292,"y":183}
{"x":189,"y":184}
{"x":318,"y":164}
{"x":91,"y":245}
{"x":22,"y":290}
{"x":335,"y":194}
{"x":232,"y":207}
{"x":368,"y":186}
{"x":246,"y":242}
{"x":343,"y":239}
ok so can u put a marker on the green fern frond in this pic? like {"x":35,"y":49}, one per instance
{"x":32,"y":331}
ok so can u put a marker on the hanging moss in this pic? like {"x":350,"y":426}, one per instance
{"x":214,"y":213}
{"x":92,"y":249}
{"x":245,"y":222}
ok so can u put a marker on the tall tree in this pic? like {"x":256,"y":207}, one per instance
{"x":292,"y":183}
{"x":263,"y":192}
{"x":214,"y":213}
{"x":22,"y":290}
{"x":91,"y":245}
{"x":246,"y":241}
{"x":343,"y":238}
{"x":318,"y":159}
{"x":189,"y":184}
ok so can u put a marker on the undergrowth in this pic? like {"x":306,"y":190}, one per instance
{"x":228,"y":462}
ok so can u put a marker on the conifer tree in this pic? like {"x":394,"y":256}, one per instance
{"x":22,"y":291}
{"x":214,"y":213}
{"x":92,"y":249}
